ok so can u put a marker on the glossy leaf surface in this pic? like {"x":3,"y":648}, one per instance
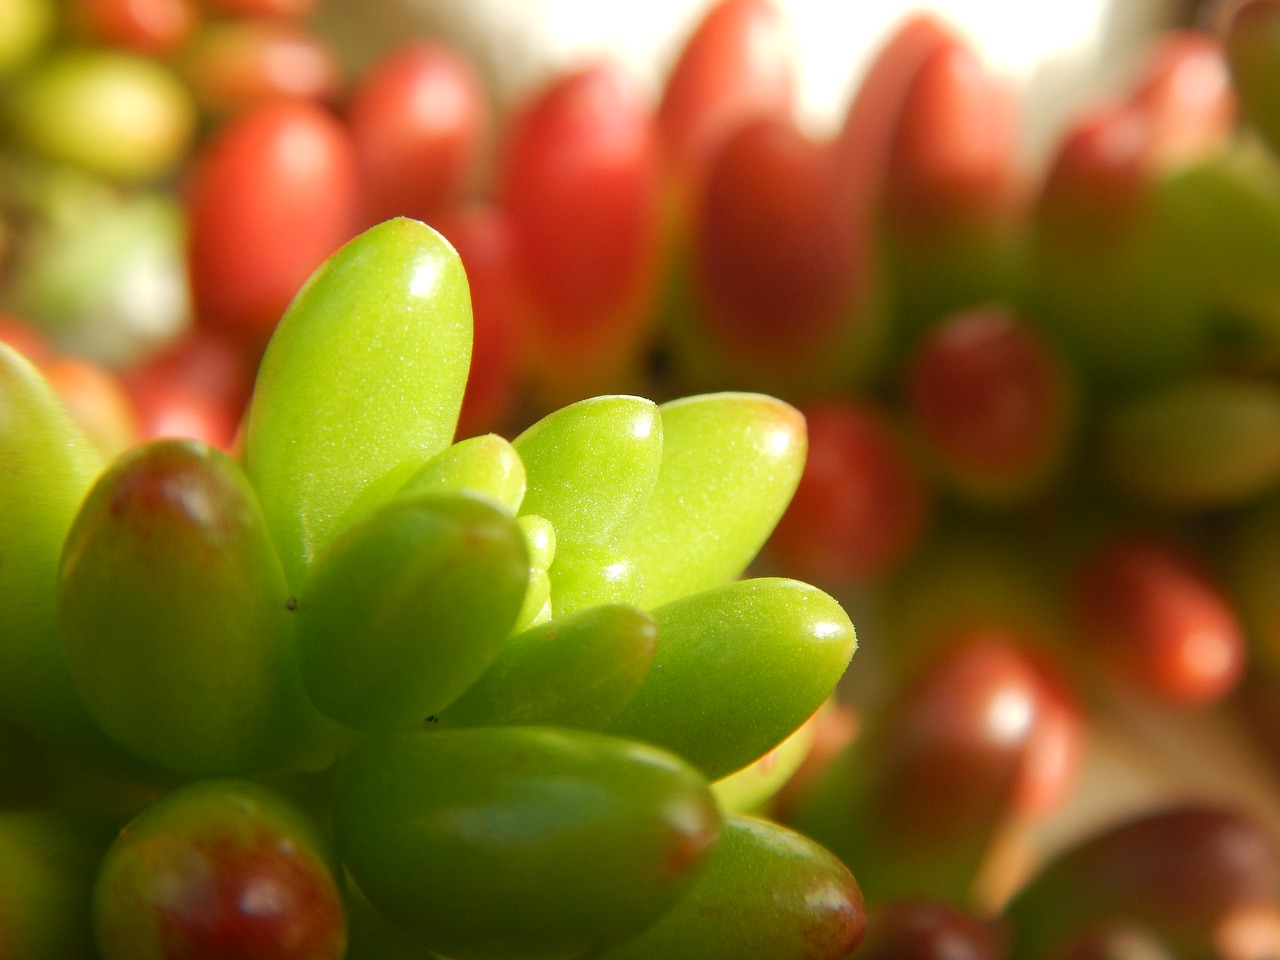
{"x":49,"y":465}
{"x":526,"y":842}
{"x":360,"y":384}
{"x":592,"y":466}
{"x":738,"y":668}
{"x":768,"y":894}
{"x":730,"y":463}
{"x":486,"y":464}
{"x":748,"y":790}
{"x":174,"y":618}
{"x":220,"y":868}
{"x":585,"y":576}
{"x":573,"y":671}
{"x":408,"y":607}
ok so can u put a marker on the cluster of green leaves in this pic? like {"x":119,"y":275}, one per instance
{"x":522,"y":663}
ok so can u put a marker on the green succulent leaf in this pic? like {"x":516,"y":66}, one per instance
{"x":574,"y":671}
{"x":584,"y":575}
{"x":768,"y":893}
{"x":486,"y":464}
{"x":48,"y":466}
{"x":528,"y":842}
{"x":730,"y":464}
{"x":537,"y":602}
{"x":175,"y":618}
{"x":540,"y":538}
{"x":738,"y":669}
{"x":749,"y":790}
{"x":408,"y":607}
{"x":591,"y":466}
{"x":361,"y":384}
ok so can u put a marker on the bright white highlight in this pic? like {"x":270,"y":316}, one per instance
{"x":826,"y":629}
{"x":779,"y":442}
{"x":641,"y":427}
{"x":425,"y":277}
{"x":1009,"y":715}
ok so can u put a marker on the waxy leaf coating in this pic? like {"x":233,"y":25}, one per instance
{"x":48,"y":466}
{"x":361,"y":384}
{"x":592,"y":466}
{"x":220,"y":868}
{"x":408,"y":607}
{"x":585,"y":575}
{"x":730,"y":463}
{"x":175,"y":617}
{"x":486,"y":464}
{"x":749,"y":790}
{"x":738,"y":669}
{"x":540,"y":539}
{"x":574,"y":671}
{"x":768,"y":893}
{"x":520,"y":842}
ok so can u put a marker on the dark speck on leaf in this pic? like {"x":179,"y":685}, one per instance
{"x":291,"y":604}
{"x":433,"y":719}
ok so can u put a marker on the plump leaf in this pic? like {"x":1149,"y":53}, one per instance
{"x":408,"y":607}
{"x":361,"y":384}
{"x":528,"y":842}
{"x":220,"y":867}
{"x":540,"y":540}
{"x":175,"y":617}
{"x":584,"y":575}
{"x":591,"y":466}
{"x":486,"y":464}
{"x":574,"y":671}
{"x":48,"y":467}
{"x":730,"y":463}
{"x":768,"y":893}
{"x":749,"y":790}
{"x":738,"y":669}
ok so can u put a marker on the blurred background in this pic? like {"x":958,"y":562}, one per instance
{"x":1061,"y":54}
